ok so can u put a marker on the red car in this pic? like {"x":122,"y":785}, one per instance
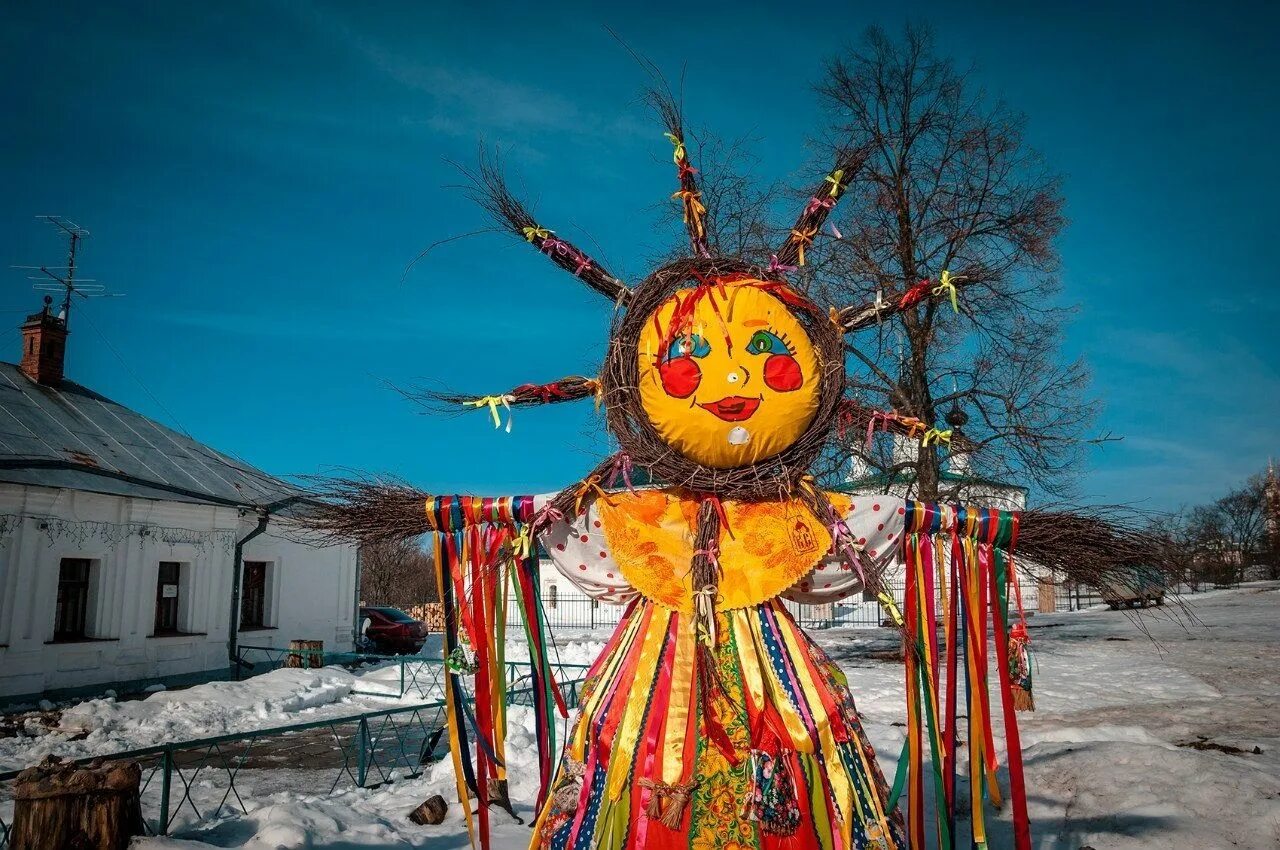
{"x":392,"y":631}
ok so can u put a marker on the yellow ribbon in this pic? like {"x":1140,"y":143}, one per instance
{"x":693,"y":207}
{"x":492,"y":401}
{"x":679,"y":143}
{"x":592,"y":483}
{"x":947,"y":285}
{"x":704,"y":601}
{"x":887,"y":601}
{"x":938,"y":437}
{"x":539,"y":232}
{"x":834,"y":179}
{"x":803,"y":238}
{"x":597,"y":390}
{"x":522,"y":546}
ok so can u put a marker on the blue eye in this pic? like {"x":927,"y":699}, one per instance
{"x":767,"y":342}
{"x":688,"y":345}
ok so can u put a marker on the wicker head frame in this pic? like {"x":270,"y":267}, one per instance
{"x":768,"y":478}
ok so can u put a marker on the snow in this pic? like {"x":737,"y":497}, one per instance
{"x":1144,"y":738}
{"x":282,"y":697}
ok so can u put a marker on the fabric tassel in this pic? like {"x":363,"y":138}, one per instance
{"x":1020,"y":669}
{"x":666,"y":802}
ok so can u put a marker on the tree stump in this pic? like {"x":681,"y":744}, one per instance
{"x":432,"y":810}
{"x":63,"y":806}
{"x":305,"y":653}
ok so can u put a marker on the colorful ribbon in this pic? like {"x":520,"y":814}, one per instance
{"x":693,"y":209}
{"x":936,"y":436}
{"x":679,"y":153}
{"x":493,"y":401}
{"x":946,"y":284}
{"x":530,"y":233}
{"x":817,"y":203}
{"x":834,"y":179}
{"x":803,"y":238}
{"x":778,"y":267}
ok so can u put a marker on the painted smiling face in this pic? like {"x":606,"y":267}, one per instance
{"x":727,"y":374}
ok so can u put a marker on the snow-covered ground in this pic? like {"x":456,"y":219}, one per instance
{"x":279,"y":698}
{"x":1151,"y":733}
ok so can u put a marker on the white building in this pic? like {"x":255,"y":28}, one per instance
{"x":957,"y":478}
{"x":132,"y":553}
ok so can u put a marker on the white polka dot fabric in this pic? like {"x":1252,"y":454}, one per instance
{"x":579,"y":552}
{"x":876,"y":523}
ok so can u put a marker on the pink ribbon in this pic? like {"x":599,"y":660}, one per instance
{"x":712,"y":554}
{"x":564,"y":249}
{"x":842,"y":543}
{"x":881,"y":417}
{"x":544,"y":517}
{"x":816,"y":204}
{"x":776,"y":267}
{"x":622,"y":469}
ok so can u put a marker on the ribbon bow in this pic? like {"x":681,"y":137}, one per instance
{"x":938,"y":437}
{"x":882,"y":419}
{"x":622,"y":470}
{"x":704,"y":602}
{"x":535,"y":231}
{"x":778,"y":267}
{"x":803,"y":238}
{"x":693,"y":208}
{"x":947,"y":284}
{"x":585,"y":488}
{"x":545,"y":517}
{"x":887,"y":601}
{"x":679,"y":143}
{"x":492,"y":401}
{"x":522,"y":546}
{"x":816,"y":204}
{"x":834,"y":179}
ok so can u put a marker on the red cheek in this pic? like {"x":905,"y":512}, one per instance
{"x":782,"y":373}
{"x":680,"y":377}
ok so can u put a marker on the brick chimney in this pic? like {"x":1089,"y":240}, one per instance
{"x":44,"y":345}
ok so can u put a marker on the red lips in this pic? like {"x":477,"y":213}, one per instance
{"x":732,"y":408}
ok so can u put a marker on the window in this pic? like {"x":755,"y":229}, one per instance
{"x":70,"y":620}
{"x":167,"y":589}
{"x":253,"y":595}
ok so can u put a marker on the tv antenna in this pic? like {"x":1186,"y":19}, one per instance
{"x":62,"y":280}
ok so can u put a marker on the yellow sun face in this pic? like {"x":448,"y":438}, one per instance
{"x":728,"y":375}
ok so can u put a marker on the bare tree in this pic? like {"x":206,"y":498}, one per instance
{"x":397,"y":573}
{"x":951,"y":185}
{"x":1225,"y":537}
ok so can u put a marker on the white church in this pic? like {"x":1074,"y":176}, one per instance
{"x":132,"y":554}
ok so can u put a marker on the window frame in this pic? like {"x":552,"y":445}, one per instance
{"x":258,"y":601}
{"x":84,"y":593}
{"x":172,"y":605}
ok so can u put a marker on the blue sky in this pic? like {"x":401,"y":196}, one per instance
{"x":257,"y":175}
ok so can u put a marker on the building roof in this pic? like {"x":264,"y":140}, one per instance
{"x":70,"y":437}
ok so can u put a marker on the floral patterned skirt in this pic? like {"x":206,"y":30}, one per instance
{"x":764,"y":750}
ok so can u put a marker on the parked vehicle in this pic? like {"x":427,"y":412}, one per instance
{"x":392,"y":631}
{"x":1141,"y":587}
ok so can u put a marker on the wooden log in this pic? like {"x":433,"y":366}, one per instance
{"x":305,"y":653}
{"x":431,"y":811}
{"x":63,"y":806}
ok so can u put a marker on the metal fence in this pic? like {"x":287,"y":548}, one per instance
{"x":186,"y":783}
{"x":576,"y":611}
{"x":413,"y":676}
